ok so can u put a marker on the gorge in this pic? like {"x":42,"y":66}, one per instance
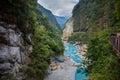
{"x":63,"y":43}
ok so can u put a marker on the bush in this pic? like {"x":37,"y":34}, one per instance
{"x":81,"y":37}
{"x":104,"y":63}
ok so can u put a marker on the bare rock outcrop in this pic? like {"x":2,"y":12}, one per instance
{"x":13,"y":51}
{"x":68,"y":30}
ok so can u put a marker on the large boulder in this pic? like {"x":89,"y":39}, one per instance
{"x":60,"y":58}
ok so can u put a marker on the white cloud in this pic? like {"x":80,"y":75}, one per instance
{"x":59,"y":7}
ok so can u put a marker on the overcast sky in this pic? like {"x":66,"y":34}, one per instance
{"x":59,"y":7}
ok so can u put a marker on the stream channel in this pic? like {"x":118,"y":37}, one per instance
{"x":71,"y":51}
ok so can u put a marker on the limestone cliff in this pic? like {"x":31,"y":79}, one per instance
{"x":14,"y":49}
{"x":68,"y":30}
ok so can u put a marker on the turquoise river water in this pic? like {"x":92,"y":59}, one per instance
{"x":71,"y":51}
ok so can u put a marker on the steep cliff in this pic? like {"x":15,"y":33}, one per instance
{"x":68,"y":30}
{"x":14,"y":49}
{"x":51,"y":18}
{"x":90,"y":20}
{"x":27,"y":41}
{"x":98,"y":19}
{"x":104,"y":14}
{"x":16,"y":43}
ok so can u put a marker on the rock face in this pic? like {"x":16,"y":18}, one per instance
{"x":13,"y":50}
{"x":68,"y":30}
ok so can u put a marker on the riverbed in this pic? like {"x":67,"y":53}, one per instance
{"x":69,"y":69}
{"x":71,"y":51}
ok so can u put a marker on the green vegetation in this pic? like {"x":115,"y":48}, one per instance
{"x":103,"y":18}
{"x":80,"y":36}
{"x":8,"y":76}
{"x":104,"y":63}
{"x":19,"y":12}
{"x":47,"y":44}
{"x":96,"y":15}
{"x":47,"y":41}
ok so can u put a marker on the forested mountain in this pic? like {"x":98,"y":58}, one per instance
{"x":27,"y":41}
{"x":51,"y":18}
{"x":94,"y":21}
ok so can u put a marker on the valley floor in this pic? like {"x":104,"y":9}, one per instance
{"x":65,"y":72}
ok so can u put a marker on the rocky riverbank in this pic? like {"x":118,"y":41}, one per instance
{"x":65,"y":71}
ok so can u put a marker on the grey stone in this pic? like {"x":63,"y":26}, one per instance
{"x":6,"y":66}
{"x":16,"y":68}
{"x":13,"y":49}
{"x":22,"y":57}
{"x":4,"y":53}
{"x":14,"y":38}
{"x":2,"y":30}
{"x":12,"y":26}
{"x":60,"y":58}
{"x":15,"y":53}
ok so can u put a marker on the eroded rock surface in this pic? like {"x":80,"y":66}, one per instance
{"x":68,"y":30}
{"x":13,"y":50}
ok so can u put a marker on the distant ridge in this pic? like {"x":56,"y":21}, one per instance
{"x":62,"y":20}
{"x":51,"y":18}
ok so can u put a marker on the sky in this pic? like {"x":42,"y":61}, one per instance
{"x":59,"y":7}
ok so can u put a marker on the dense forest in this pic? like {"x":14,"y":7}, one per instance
{"x":94,"y":21}
{"x":46,"y":41}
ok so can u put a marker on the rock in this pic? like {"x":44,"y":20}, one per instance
{"x":15,"y":53}
{"x":49,"y":70}
{"x":12,"y":26}
{"x":83,"y":48}
{"x":20,"y":75}
{"x":2,"y":30}
{"x":4,"y":53}
{"x":76,"y":65}
{"x":60,"y":58}
{"x":68,"y":30}
{"x":54,"y":66}
{"x":13,"y":49}
{"x":16,"y":67}
{"x":14,"y":38}
{"x":65,"y":72}
{"x":6,"y":66}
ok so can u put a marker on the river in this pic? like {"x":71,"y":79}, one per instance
{"x":68,"y":70}
{"x":71,"y":51}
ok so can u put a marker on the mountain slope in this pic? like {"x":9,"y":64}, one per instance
{"x":68,"y":30}
{"x":51,"y":18}
{"x":100,"y":18}
{"x":62,"y":20}
{"x":26,"y":38}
